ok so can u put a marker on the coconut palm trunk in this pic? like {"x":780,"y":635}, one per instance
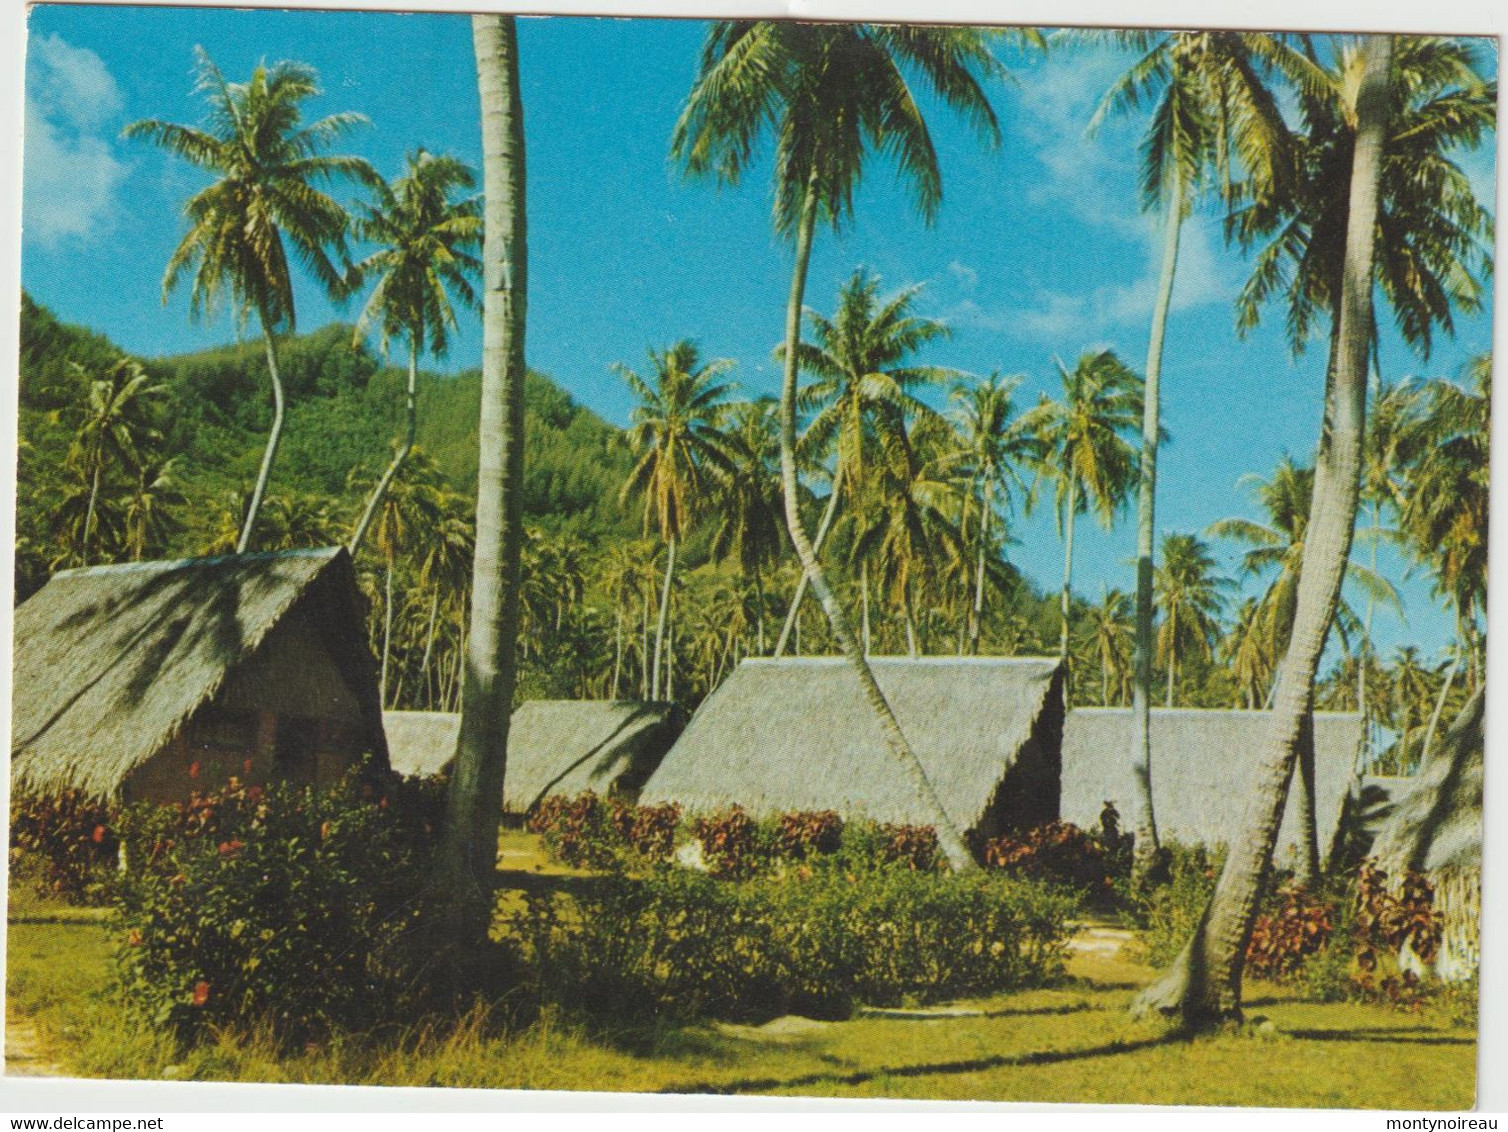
{"x":93,"y":500}
{"x":269,"y":453}
{"x":1065,"y":597}
{"x":948,"y":836}
{"x":1203,"y":985}
{"x":977,"y":614}
{"x":387,"y":629}
{"x":475,"y":801}
{"x":1434,"y":718}
{"x":664,"y":618}
{"x":828,"y":514}
{"x":1143,"y":817}
{"x":379,"y":493}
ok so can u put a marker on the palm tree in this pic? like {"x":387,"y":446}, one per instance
{"x":445,"y":568}
{"x":682,"y":452}
{"x":1191,"y":597}
{"x":1108,"y":636}
{"x":864,"y":389}
{"x":115,"y":420}
{"x":1411,"y":685}
{"x":1279,"y":545}
{"x":426,"y":240}
{"x":1433,"y":237}
{"x":748,"y":512}
{"x":1209,"y":100}
{"x":994,"y":444}
{"x":906,"y":532}
{"x":475,"y":801}
{"x":1203,"y":985}
{"x":1247,"y":649}
{"x":149,"y":520}
{"x":1087,"y":452}
{"x":1393,"y":444}
{"x":830,"y":92}
{"x":1444,"y":513}
{"x":262,"y":210}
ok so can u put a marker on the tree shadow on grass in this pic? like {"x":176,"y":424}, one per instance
{"x":1393,"y":1035}
{"x":925,"y":1069}
{"x":923,"y":1015}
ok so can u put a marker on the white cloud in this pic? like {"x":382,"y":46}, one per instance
{"x":71,"y":173}
{"x":965,"y":276}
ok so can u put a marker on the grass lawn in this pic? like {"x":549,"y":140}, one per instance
{"x":1072,"y":1043}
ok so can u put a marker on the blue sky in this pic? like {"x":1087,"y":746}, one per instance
{"x":1040,"y":250}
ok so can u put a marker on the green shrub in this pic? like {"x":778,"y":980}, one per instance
{"x":295,"y":908}
{"x":673,"y":944}
{"x":1167,"y":913}
{"x":66,"y":843}
{"x":816,"y":939}
{"x":867,"y":845}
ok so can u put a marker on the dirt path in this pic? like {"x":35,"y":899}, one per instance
{"x":25,"y":1052}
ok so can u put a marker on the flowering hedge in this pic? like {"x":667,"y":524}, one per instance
{"x":293,"y":907}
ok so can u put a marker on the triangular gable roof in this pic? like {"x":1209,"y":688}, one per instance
{"x":1203,"y":770}
{"x":797,"y":734}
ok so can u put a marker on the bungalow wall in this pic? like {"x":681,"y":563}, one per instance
{"x":286,"y":715}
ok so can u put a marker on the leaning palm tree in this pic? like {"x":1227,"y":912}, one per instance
{"x":1203,"y":985}
{"x":468,"y":855}
{"x":1211,"y":108}
{"x":262,"y":210}
{"x":830,"y":93}
{"x":426,"y":239}
{"x":1191,"y":597}
{"x":1086,"y":451}
{"x":864,"y":386}
{"x":115,"y":420}
{"x":994,"y":446}
{"x":682,"y":452}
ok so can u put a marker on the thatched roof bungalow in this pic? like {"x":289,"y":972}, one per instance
{"x":1203,"y":770}
{"x":554,"y":746}
{"x":797,"y":734}
{"x":152,"y":680}
{"x":1436,"y":829}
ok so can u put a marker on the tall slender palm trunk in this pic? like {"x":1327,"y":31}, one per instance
{"x":1066,"y":596}
{"x":93,"y":500}
{"x":387,"y":629}
{"x":828,"y":514}
{"x":1434,"y":718}
{"x":379,"y":493}
{"x":664,"y":618}
{"x":269,"y":453}
{"x":1366,"y":650}
{"x":1204,"y":984}
{"x":949,"y":838}
{"x":475,"y":801}
{"x":429,"y":644}
{"x":617,"y":649}
{"x":976,"y":615}
{"x":1143,"y":817}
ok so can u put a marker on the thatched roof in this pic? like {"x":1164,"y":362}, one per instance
{"x":1438,"y":824}
{"x":111,"y":661}
{"x":567,"y":746}
{"x":797,"y":734}
{"x":420,"y":743}
{"x":1203,"y":770}
{"x":554,"y":746}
